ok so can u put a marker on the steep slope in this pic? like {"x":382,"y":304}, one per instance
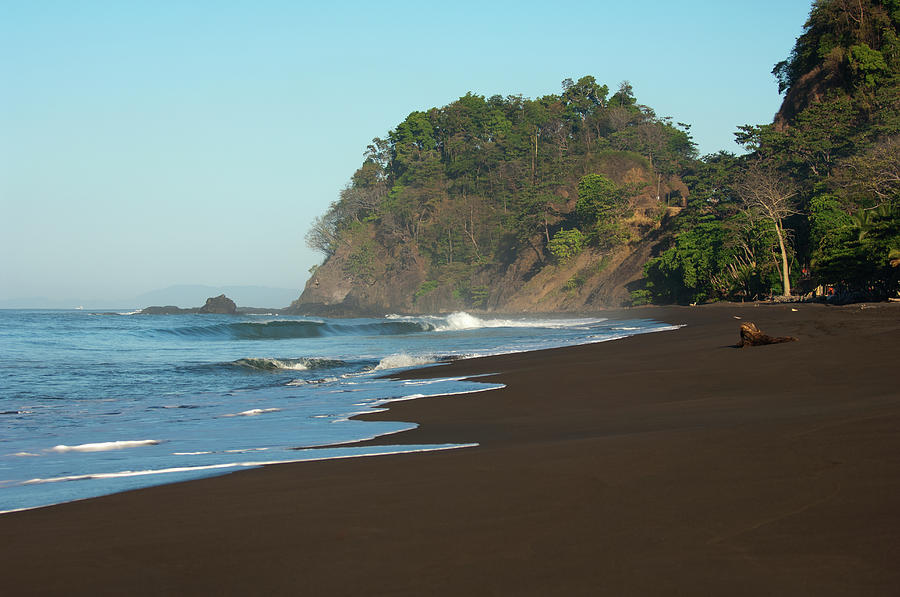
{"x":502,"y":203}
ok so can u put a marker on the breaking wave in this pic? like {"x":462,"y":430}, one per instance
{"x":399,"y":361}
{"x":104,"y":446}
{"x":462,"y":320}
{"x":254,"y":412}
{"x":270,"y":364}
{"x":287,"y":329}
{"x":392,"y":325}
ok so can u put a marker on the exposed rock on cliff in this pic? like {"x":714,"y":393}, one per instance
{"x":502,"y":203}
{"x":219,"y":304}
{"x":531,"y":281}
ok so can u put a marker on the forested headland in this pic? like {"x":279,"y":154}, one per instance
{"x":588,"y":198}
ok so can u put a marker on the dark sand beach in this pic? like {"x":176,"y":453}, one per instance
{"x":663,"y":464}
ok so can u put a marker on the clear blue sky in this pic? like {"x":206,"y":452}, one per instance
{"x":151,"y":143}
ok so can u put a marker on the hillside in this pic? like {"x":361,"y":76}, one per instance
{"x":503,"y":204}
{"x":585,"y":200}
{"x":814,"y":207}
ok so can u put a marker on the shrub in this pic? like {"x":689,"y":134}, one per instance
{"x":566,"y":244}
{"x":426,"y":287}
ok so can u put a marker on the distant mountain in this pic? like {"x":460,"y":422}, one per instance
{"x":195,"y":295}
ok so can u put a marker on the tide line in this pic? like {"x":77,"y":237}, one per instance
{"x":184,"y":469}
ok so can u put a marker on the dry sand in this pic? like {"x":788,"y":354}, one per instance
{"x":663,"y":464}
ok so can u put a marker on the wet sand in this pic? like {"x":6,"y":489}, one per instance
{"x":662,"y":464}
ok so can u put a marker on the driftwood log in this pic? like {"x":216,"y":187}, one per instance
{"x":753,"y":336}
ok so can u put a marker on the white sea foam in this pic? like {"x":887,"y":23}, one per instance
{"x":19,"y":509}
{"x":185,"y":469}
{"x":24,"y":454}
{"x":597,"y":338}
{"x":461,"y":321}
{"x":428,"y":382}
{"x":441,"y":394}
{"x":293,"y":365}
{"x":465,"y":321}
{"x":303,"y":382}
{"x":398,"y":361}
{"x":205,"y":452}
{"x":253,"y":412}
{"x":104,"y":446}
{"x":270,"y":364}
{"x":367,"y":438}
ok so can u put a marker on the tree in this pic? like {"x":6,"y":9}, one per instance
{"x":323,"y":235}
{"x":820,"y":134}
{"x":583,"y":98}
{"x":566,"y":244}
{"x":771,"y":195}
{"x":467,"y":186}
{"x":875,"y":173}
{"x":600,"y":203}
{"x":687,"y":271}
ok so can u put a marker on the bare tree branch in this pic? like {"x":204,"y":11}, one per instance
{"x":770,"y":194}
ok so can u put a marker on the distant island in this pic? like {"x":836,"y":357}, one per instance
{"x":216,"y":305}
{"x":187,"y":295}
{"x":588,"y":199}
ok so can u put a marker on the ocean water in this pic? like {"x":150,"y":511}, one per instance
{"x":96,"y":403}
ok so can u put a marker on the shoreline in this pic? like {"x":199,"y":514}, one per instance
{"x":654,"y":464}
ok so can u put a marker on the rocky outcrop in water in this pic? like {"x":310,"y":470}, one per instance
{"x":166,"y":310}
{"x":219,"y":305}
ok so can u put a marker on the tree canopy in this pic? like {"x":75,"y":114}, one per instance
{"x":480,"y":179}
{"x":814,"y":204}
{"x":832,"y":153}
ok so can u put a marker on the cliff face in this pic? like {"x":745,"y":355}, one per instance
{"x":502,"y":203}
{"x":808,"y":90}
{"x":343,"y":287}
{"x":363,"y":277}
{"x":589,"y":281}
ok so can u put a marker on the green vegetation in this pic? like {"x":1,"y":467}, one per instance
{"x":816,"y":202}
{"x":483,"y":179}
{"x":482,"y":182}
{"x":573,"y":283}
{"x":427,"y":287}
{"x":359,"y":265}
{"x":600,"y":207}
{"x":566,"y":244}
